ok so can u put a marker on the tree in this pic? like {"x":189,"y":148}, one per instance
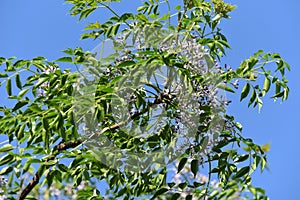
{"x":147,"y":105}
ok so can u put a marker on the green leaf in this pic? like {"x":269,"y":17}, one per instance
{"x":181,"y":164}
{"x":50,"y":163}
{"x":62,"y":167}
{"x":245,"y":91}
{"x":195,"y":166}
{"x":68,"y":51}
{"x":58,"y":175}
{"x":258,"y":53}
{"x":115,"y":29}
{"x":39,"y":58}
{"x":256,"y":161}
{"x":6,"y":148}
{"x":6,"y":170}
{"x":29,"y":162}
{"x":6,"y":159}
{"x":126,"y":63}
{"x":278,"y":88}
{"x":141,"y":17}
{"x":232,"y":167}
{"x":213,"y":194}
{"x":126,"y":16}
{"x":159,"y":192}
{"x":41,"y":81}
{"x":198,"y":184}
{"x":19,"y":105}
{"x":86,"y":12}
{"x":242,"y":171}
{"x":285,"y":93}
{"x":242,"y":158}
{"x":20,"y":133}
{"x":46,"y":133}
{"x":209,"y":61}
{"x":21,"y":93}
{"x":178,"y":7}
{"x":171,"y":184}
{"x":267,"y":84}
{"x":182,"y":185}
{"x":64,"y":59}
{"x":263,"y":163}
{"x":252,"y":98}
{"x":3,"y":75}
{"x":45,"y":124}
{"x":121,"y":192}
{"x":260,"y":103}
{"x":18,"y":81}
{"x":280,"y":94}
{"x":175,"y":196}
{"x":49,"y":178}
{"x":8,"y":87}
{"x":225,"y":87}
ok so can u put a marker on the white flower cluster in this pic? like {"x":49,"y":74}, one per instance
{"x":161,"y":90}
{"x":42,"y":90}
{"x":3,"y":182}
{"x":191,"y":102}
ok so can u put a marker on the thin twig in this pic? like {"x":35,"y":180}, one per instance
{"x":111,"y":10}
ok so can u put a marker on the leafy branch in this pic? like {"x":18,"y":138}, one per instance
{"x":62,"y":146}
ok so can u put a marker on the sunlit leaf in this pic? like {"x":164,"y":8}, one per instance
{"x":225,"y":87}
{"x":245,"y":91}
{"x":6,"y":170}
{"x":252,"y":98}
{"x":8,"y":87}
{"x":6,"y":159}
{"x":64,"y":59}
{"x":5,"y":148}
{"x":18,"y":81}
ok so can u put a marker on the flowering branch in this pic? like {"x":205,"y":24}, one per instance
{"x":67,"y":145}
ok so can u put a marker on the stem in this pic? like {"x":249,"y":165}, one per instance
{"x":204,"y":35}
{"x":209,"y":177}
{"x":169,"y":12}
{"x":182,"y":16}
{"x":207,"y":34}
{"x":111,"y":10}
{"x":14,"y":74}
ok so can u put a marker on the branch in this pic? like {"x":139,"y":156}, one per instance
{"x":67,"y":145}
{"x":56,"y":150}
{"x":64,"y":146}
{"x":35,"y":180}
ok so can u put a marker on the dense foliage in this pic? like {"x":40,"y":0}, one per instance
{"x":149,"y":118}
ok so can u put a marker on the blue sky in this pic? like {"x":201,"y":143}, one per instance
{"x":43,"y":28}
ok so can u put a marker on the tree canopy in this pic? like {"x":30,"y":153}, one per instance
{"x":143,"y":115}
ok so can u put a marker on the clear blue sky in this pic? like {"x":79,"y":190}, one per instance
{"x":43,"y":28}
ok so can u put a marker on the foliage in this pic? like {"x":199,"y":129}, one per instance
{"x":42,"y":127}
